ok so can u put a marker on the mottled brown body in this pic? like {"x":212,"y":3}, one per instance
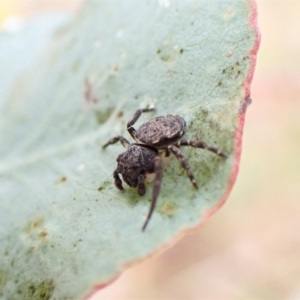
{"x":161,"y":132}
{"x":137,"y":160}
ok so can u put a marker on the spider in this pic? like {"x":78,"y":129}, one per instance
{"x":155,"y":139}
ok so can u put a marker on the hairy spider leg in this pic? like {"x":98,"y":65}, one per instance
{"x":118,"y":181}
{"x":184,"y":163}
{"x":141,"y":189}
{"x":158,"y":169}
{"x":136,"y":116}
{"x":116,"y":139}
{"x":199,"y":144}
{"x":125,"y":143}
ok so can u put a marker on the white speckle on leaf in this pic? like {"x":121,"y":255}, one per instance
{"x":152,"y":105}
{"x":98,"y":43}
{"x":81,"y":167}
{"x":120,"y":33}
{"x":164,"y":3}
{"x":148,"y":101}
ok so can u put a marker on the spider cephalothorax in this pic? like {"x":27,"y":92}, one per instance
{"x":156,"y":138}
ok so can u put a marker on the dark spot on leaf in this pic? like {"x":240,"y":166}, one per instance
{"x":37,"y":223}
{"x":90,"y":93}
{"x":158,"y":51}
{"x":102,"y":116}
{"x":75,"y":66}
{"x":33,"y":225}
{"x":181,"y":51}
{"x":168,"y":208}
{"x":63,"y":179}
{"x":100,"y":189}
{"x":43,"y":234}
{"x":120,"y":114}
{"x":233,"y":71}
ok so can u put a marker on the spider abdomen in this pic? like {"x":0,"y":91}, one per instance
{"x":161,"y":131}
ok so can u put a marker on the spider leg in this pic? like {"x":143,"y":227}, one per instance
{"x":167,"y":152}
{"x":158,"y":168}
{"x":199,"y":144}
{"x":141,"y":185}
{"x":184,"y":163}
{"x":136,"y":116}
{"x":116,"y":139}
{"x":118,"y":181}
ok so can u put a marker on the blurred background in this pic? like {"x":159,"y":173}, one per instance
{"x":250,"y":249}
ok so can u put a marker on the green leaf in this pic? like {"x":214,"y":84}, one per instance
{"x":64,"y":227}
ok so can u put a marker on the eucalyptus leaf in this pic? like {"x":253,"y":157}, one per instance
{"x":71,"y":86}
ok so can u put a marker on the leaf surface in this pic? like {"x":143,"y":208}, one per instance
{"x":64,"y":227}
